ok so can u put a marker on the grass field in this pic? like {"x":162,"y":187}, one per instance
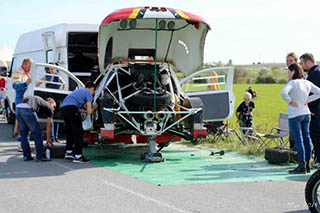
{"x":268,"y":105}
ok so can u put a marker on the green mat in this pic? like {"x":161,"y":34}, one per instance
{"x":185,"y":165}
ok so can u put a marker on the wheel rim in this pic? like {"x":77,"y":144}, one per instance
{"x":315,"y":196}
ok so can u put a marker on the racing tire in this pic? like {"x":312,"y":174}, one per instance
{"x":148,"y":100}
{"x":311,"y":192}
{"x":9,"y":115}
{"x":280,"y":155}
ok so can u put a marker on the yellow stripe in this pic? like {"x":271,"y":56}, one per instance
{"x":134,"y":13}
{"x":182,"y":14}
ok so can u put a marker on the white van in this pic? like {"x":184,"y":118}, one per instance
{"x":72,"y":46}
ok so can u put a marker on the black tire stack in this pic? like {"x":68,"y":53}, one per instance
{"x":280,"y":155}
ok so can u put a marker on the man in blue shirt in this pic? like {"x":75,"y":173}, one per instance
{"x":309,"y":65}
{"x":71,"y":109}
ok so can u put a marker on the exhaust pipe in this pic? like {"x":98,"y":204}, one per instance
{"x":160,"y":116}
{"x":148,"y":116}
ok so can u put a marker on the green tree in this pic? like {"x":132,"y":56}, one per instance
{"x":219,"y":64}
{"x":263,"y":73}
{"x":240,"y":75}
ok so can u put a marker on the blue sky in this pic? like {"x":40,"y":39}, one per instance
{"x":245,"y":31}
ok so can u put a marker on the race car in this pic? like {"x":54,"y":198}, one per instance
{"x":141,"y":99}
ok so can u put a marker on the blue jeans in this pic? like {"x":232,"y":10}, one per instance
{"x":299,"y":128}
{"x":55,"y":130}
{"x":28,"y":121}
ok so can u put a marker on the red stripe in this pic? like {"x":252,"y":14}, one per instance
{"x":27,"y":74}
{"x":118,"y":14}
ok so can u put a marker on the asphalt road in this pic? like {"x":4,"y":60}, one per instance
{"x":62,"y":186}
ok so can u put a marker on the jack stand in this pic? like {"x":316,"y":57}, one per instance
{"x":153,"y":155}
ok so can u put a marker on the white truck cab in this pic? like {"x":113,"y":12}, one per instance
{"x":72,"y":46}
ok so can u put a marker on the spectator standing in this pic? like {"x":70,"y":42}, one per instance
{"x":249,"y":90}
{"x":309,"y":65}
{"x":27,"y":112}
{"x":71,"y":109}
{"x":53,"y":77}
{"x":20,"y":82}
{"x":291,"y":58}
{"x":95,"y":73}
{"x":296,"y":94}
{"x":3,"y":82}
{"x":245,"y":111}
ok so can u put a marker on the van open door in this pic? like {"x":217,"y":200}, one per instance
{"x":49,"y":44}
{"x":39,"y":73}
{"x":214,"y":87}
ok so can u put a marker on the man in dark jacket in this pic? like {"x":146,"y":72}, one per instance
{"x":27,"y":112}
{"x":309,"y":65}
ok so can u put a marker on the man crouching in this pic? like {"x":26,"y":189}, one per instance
{"x":27,"y":112}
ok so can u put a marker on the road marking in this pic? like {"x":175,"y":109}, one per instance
{"x":63,"y":166}
{"x":13,"y":173}
{"x":145,"y":197}
{"x":130,"y":191}
{"x":8,"y":143}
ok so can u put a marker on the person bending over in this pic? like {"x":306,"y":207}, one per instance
{"x":71,"y":109}
{"x":27,"y":112}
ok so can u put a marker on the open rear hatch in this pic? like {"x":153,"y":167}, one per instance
{"x":180,"y":36}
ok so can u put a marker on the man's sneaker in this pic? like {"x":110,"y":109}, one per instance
{"x":42,"y":159}
{"x":316,"y":165}
{"x":27,"y":158}
{"x":80,"y":160}
{"x":69,"y":156}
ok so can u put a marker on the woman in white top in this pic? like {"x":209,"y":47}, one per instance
{"x":296,"y":94}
